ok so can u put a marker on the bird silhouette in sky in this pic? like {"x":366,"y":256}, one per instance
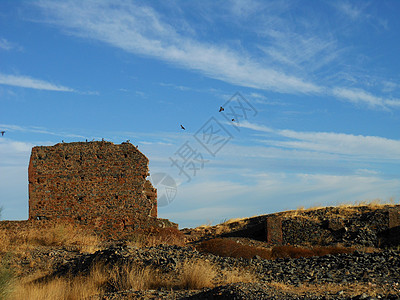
{"x":221,"y":109}
{"x":2,"y":133}
{"x":233,"y":120}
{"x":183,"y":127}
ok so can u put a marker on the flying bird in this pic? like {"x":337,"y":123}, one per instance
{"x":221,"y":109}
{"x":2,"y":133}
{"x":183,"y":127}
{"x":233,"y":120}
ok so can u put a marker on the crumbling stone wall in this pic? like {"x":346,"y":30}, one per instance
{"x":358,"y":225}
{"x":99,"y":184}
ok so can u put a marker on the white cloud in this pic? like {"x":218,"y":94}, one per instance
{"x":358,"y":96}
{"x":14,"y":153}
{"x":367,"y":172}
{"x":7,"y":45}
{"x":359,"y":146}
{"x":32,"y":83}
{"x":139,"y":29}
{"x":297,"y":51}
{"x":267,"y":192}
{"x":39,"y":130}
{"x":243,"y":8}
{"x":350,"y":10}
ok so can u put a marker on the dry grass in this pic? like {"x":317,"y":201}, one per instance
{"x":344,"y":210}
{"x":116,"y":278}
{"x":236,"y":275}
{"x":101,"y":279}
{"x":157,"y":236}
{"x":230,"y":248}
{"x":196,"y":275}
{"x":77,"y":288}
{"x":6,"y":277}
{"x":23,"y":245}
{"x":191,"y":275}
{"x":67,"y":236}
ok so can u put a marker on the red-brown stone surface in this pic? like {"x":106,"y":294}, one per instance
{"x":274,"y":230}
{"x":98,"y":184}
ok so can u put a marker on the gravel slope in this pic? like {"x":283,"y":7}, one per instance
{"x":376,"y":274}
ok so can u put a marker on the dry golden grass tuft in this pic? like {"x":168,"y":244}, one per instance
{"x":59,"y":288}
{"x":5,"y":240}
{"x":196,"y":275}
{"x":157,"y":236}
{"x":191,"y":275}
{"x":343,"y":210}
{"x":58,"y":235}
{"x":6,"y":278}
{"x":235,"y":275}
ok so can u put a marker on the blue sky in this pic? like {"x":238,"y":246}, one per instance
{"x":319,"y":80}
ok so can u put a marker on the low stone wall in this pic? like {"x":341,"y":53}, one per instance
{"x":109,"y":230}
{"x":357,"y":225}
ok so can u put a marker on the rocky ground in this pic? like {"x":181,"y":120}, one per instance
{"x":348,"y":276}
{"x":371,"y":272}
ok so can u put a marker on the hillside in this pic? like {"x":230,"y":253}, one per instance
{"x":331,"y":252}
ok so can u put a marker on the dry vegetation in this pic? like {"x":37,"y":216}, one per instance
{"x":21,"y":244}
{"x":191,"y":275}
{"x":67,"y":236}
{"x":231,"y":248}
{"x":188,"y":275}
{"x":343,"y":209}
{"x":157,"y":236}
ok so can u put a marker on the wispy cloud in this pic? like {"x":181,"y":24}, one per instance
{"x":359,"y":96}
{"x":139,"y":29}
{"x":215,"y":199}
{"x":297,"y":53}
{"x":32,"y":83}
{"x":7,"y":45}
{"x":39,"y":130}
{"x":300,"y":52}
{"x":359,"y":12}
{"x":358,"y":146}
{"x":350,"y":9}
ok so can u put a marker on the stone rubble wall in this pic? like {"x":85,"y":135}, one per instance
{"x":100,"y":185}
{"x":363,"y":226}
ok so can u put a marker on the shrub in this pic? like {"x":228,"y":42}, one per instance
{"x":157,"y":236}
{"x":57,"y":235}
{"x":197,"y":275}
{"x":5,"y":281}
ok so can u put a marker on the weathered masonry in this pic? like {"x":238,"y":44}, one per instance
{"x":98,"y":184}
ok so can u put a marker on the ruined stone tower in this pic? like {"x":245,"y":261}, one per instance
{"x":98,"y":184}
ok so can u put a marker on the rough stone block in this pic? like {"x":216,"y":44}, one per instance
{"x":394,"y":217}
{"x":274,"y":230}
{"x":96,"y":184}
